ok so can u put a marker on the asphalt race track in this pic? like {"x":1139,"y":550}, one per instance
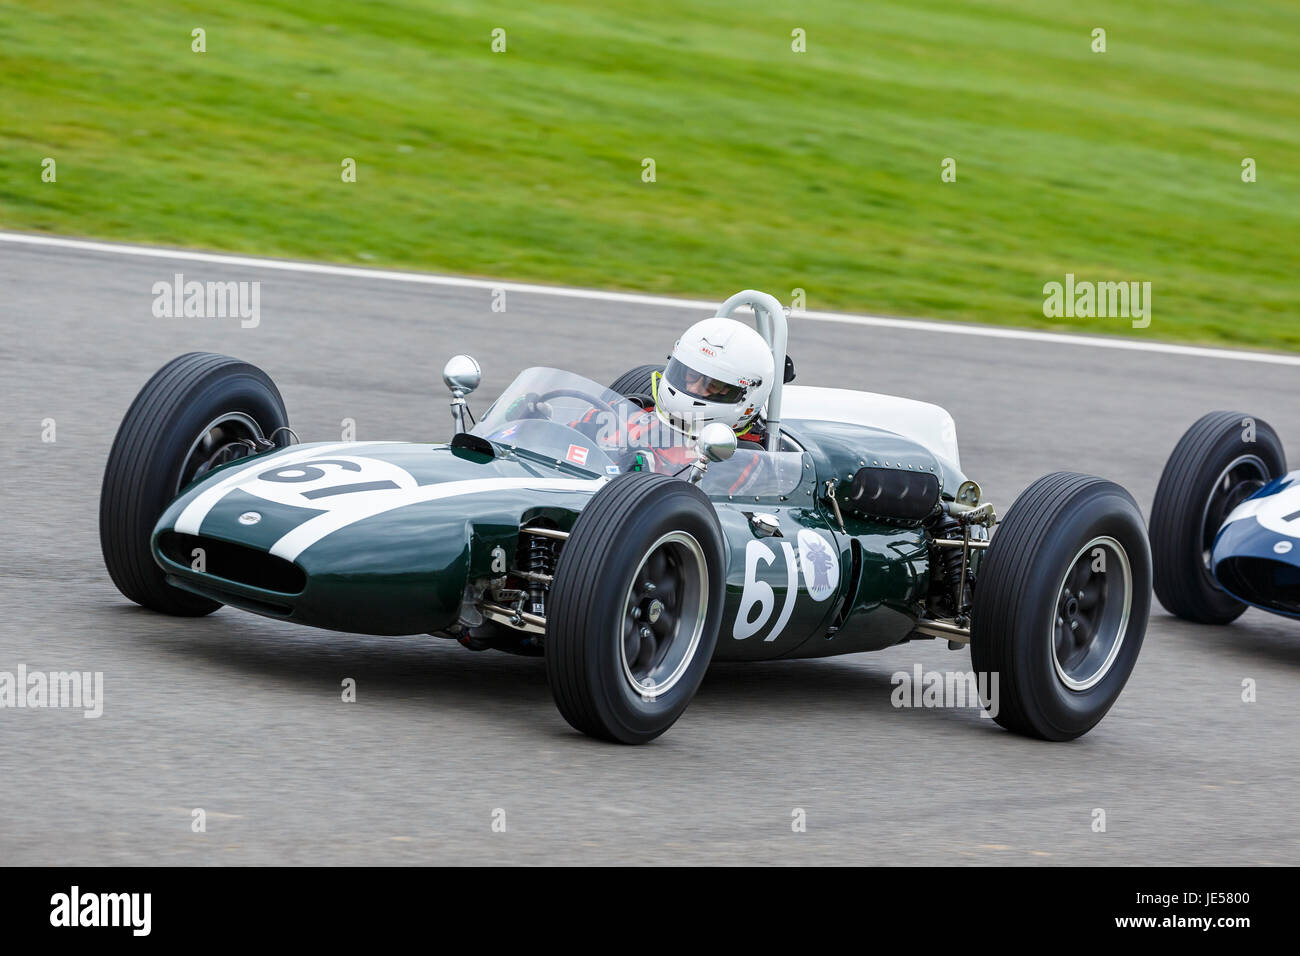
{"x":243,"y":717}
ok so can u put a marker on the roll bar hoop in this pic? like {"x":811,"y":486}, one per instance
{"x":769,"y":316}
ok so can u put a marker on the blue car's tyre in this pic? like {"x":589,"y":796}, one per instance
{"x":1061,"y":605}
{"x":634,"y":611}
{"x":1220,"y":462}
{"x":197,"y":411}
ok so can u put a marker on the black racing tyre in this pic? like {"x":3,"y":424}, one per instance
{"x":635,"y":608}
{"x":192,"y":408}
{"x":636,"y":384}
{"x":1221,"y":460}
{"x":1061,"y":606}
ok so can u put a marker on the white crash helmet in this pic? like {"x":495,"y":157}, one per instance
{"x":720,"y":371}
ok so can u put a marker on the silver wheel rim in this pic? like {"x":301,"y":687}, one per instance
{"x":1217,"y":505}
{"x":225,"y":429}
{"x":664,"y":612}
{"x":1091,"y":614}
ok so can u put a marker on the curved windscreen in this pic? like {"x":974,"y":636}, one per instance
{"x":580,"y":424}
{"x":561,"y":416}
{"x":756,"y":473}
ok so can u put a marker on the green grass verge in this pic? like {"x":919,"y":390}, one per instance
{"x":775,"y":169}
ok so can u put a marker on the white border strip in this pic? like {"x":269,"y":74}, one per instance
{"x":630,"y":298}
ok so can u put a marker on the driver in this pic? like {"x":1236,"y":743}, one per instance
{"x":720,"y":370}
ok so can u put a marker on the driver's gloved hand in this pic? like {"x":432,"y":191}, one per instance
{"x":527,"y":406}
{"x":637,"y":460}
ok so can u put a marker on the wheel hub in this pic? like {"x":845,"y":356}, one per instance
{"x":664,"y":614}
{"x":1092,"y":613}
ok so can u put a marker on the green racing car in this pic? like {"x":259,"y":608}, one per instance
{"x":546,"y":529}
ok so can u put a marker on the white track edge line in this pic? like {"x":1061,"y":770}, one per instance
{"x":632,"y":298}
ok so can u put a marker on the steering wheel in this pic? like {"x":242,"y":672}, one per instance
{"x":533,"y":402}
{"x":576,"y":393}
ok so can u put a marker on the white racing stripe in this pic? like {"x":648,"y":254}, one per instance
{"x":1278,"y":512}
{"x":631,"y":298}
{"x":191,"y":518}
{"x":314,"y":529}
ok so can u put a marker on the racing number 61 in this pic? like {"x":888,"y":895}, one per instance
{"x":759,"y":593}
{"x":310,"y":471}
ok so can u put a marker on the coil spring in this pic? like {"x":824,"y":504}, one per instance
{"x":950,"y":559}
{"x":539,"y":557}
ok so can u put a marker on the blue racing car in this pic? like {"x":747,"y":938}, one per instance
{"x":1225,"y":525}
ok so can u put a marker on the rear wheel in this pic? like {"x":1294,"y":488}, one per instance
{"x":1061,"y":606}
{"x":634,"y":612}
{"x":1220,"y":462}
{"x":198,"y":411}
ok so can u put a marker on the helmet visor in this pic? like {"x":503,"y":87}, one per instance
{"x":698,"y":385}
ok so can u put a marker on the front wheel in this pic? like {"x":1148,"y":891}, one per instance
{"x":197,"y":412}
{"x":635,"y":608}
{"x":1061,"y":606}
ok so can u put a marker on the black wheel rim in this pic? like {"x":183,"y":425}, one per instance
{"x":1091,"y":613}
{"x":664,"y":614}
{"x":227,"y":438}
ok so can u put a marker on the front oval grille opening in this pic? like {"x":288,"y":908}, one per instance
{"x":1262,"y":581}
{"x":234,"y":562}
